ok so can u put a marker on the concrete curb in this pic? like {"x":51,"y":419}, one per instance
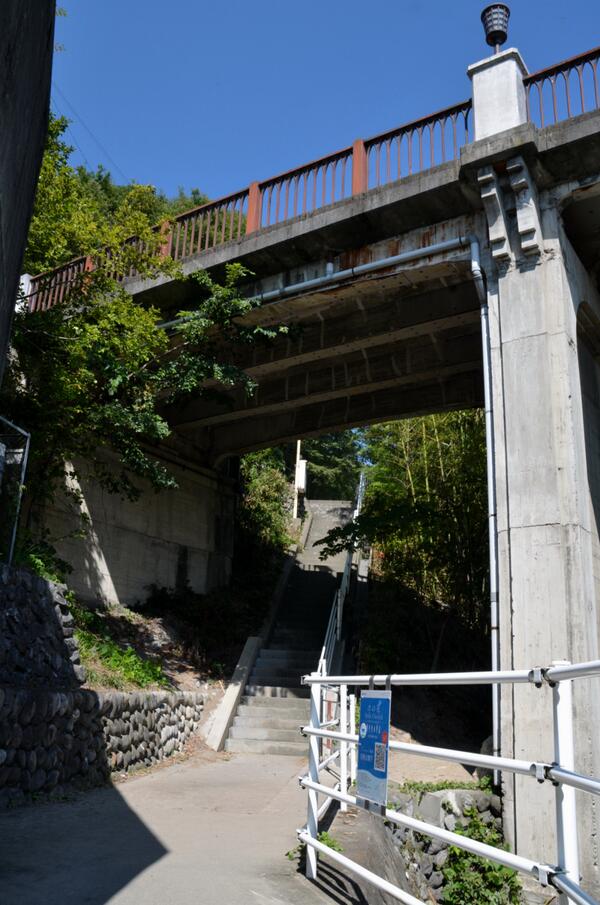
{"x":228,"y":707}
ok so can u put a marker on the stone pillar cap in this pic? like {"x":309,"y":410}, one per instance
{"x":510,"y":53}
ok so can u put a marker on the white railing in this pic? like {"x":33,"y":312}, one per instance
{"x":336,"y":617}
{"x":563,"y":876}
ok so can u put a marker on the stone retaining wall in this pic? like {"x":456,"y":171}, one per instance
{"x":37,"y":644}
{"x":52,"y":739}
{"x":420,"y":858}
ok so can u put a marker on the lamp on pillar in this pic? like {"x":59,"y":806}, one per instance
{"x":495,"y":24}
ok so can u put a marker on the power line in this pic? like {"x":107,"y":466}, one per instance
{"x":90,"y":133}
{"x":70,"y":131}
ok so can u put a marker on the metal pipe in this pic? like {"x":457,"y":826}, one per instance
{"x":402,"y":258}
{"x":574,"y":892}
{"x":352,"y":727}
{"x":506,"y":677}
{"x":524,"y":767}
{"x":577,"y":780}
{"x":334,"y":277}
{"x":564,"y":755}
{"x":480,"y":288}
{"x":343,"y":743}
{"x":13,"y":537}
{"x":362,"y":872}
{"x":312,"y":822}
{"x":507,"y":859}
{"x":576,"y":671}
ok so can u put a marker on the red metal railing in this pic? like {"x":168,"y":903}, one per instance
{"x":408,"y":149}
{"x":50,"y":288}
{"x":564,"y":90}
{"x":207,"y":226}
{"x":417,"y":146}
{"x":306,"y":188}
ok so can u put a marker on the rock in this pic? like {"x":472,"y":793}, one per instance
{"x":450,"y":822}
{"x":436,"y":879}
{"x":441,"y":858}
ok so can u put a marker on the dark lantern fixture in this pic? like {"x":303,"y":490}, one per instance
{"x":495,"y":23}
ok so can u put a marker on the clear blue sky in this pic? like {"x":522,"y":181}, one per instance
{"x":214,"y":95}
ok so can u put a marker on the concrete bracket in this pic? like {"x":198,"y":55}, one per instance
{"x":528,"y":217}
{"x":494,"y":210}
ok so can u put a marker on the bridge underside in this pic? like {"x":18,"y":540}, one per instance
{"x":398,"y":344}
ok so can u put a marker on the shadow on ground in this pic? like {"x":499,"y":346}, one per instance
{"x":107,"y":845}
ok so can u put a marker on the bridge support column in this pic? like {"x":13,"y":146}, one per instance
{"x":548,"y":489}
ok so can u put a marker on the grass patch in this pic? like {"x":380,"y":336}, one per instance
{"x":410,"y":788}
{"x":109,"y":663}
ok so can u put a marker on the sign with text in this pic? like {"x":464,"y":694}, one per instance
{"x":373,"y":746}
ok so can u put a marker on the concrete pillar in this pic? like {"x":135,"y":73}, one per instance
{"x":547,"y":529}
{"x":499,"y":100}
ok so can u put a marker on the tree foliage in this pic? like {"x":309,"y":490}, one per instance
{"x":425,"y":508}
{"x":333,"y":465}
{"x":94,"y":376}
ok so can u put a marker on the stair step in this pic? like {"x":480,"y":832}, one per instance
{"x":277,"y":691}
{"x":286,"y":673}
{"x":289,"y":681}
{"x":260,"y":746}
{"x":280,"y":653}
{"x":269,"y":735}
{"x":269,"y":721}
{"x":300,"y":666}
{"x":291,"y":706}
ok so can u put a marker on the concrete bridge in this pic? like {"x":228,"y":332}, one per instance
{"x":374,"y":254}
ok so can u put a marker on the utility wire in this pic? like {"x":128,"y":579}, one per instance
{"x":70,"y":131}
{"x":90,"y":133}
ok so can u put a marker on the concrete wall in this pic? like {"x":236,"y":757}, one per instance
{"x":26,"y":46}
{"x":168,"y":539}
{"x":546,"y":422}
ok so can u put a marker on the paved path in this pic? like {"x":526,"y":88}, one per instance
{"x":202,"y":832}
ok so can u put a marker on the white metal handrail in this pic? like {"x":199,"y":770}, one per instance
{"x":563,"y":876}
{"x":333,"y":632}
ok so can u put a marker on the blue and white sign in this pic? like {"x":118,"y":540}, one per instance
{"x":373,"y":746}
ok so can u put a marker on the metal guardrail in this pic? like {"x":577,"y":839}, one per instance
{"x":564,"y":90}
{"x":563,"y":876}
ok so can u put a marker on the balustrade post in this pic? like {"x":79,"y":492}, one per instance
{"x":166,"y":237}
{"x":344,"y":745}
{"x":360,"y":167}
{"x":312,"y":823}
{"x":352,"y":730}
{"x":254,"y":208}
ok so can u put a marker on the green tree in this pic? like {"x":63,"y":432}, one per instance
{"x":425,"y":508}
{"x":333,"y":465}
{"x":95,"y":375}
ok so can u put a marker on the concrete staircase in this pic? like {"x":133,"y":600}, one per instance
{"x":275,"y":705}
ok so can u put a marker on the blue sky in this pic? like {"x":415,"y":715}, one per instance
{"x":215,"y":95}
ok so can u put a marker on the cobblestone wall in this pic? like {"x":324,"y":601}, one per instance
{"x":37,"y":644}
{"x":52,"y":739}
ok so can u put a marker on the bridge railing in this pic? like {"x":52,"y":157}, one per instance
{"x":563,"y":875}
{"x":415,"y":146}
{"x":418,"y":145}
{"x":564,"y":90}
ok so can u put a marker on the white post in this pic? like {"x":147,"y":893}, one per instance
{"x":344,"y":745}
{"x":295,"y":513}
{"x":499,"y":100}
{"x":352,"y":727}
{"x":564,"y":755}
{"x":312,"y":823}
